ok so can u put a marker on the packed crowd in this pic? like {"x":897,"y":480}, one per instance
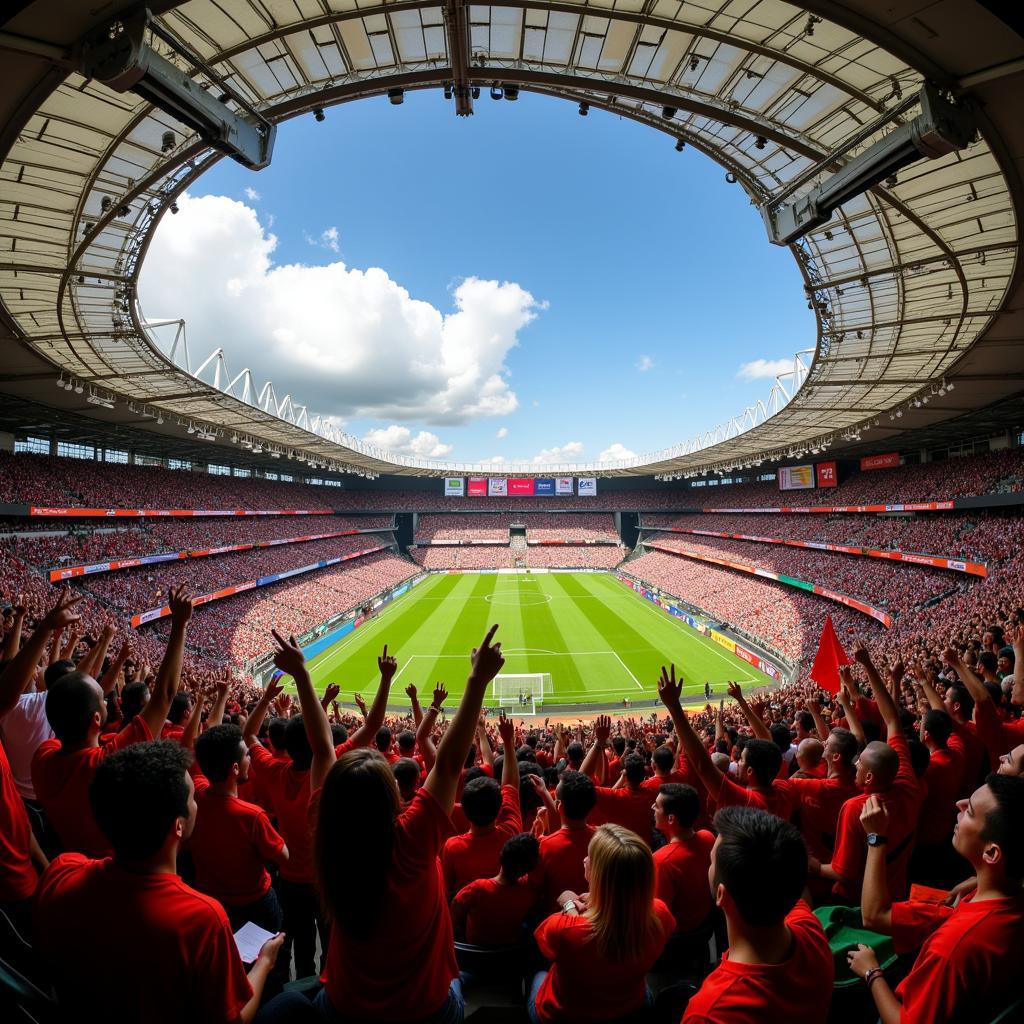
{"x":976,"y":536}
{"x":894,"y":587}
{"x":588,"y":864}
{"x":52,"y":481}
{"x":488,"y":556}
{"x":575,"y":527}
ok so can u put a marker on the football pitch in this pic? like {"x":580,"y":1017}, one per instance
{"x":599,"y":640}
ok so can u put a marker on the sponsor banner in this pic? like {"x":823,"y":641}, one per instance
{"x":587,"y":486}
{"x":796,"y":478}
{"x":544,"y":487}
{"x":723,"y":641}
{"x":454,"y":487}
{"x":769,"y":669}
{"x":400,"y":591}
{"x":497,"y":487}
{"x":920,"y":506}
{"x":749,"y":657}
{"x":563,"y":485}
{"x":937,"y":561}
{"x":826,"y":474}
{"x":850,"y":602}
{"x":476,"y":487}
{"x":520,"y":487}
{"x":136,"y":513}
{"x":890,"y":460}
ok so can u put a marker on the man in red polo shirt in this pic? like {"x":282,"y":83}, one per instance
{"x":779,"y":965}
{"x":562,"y":852}
{"x":681,"y":865}
{"x":968,"y":966}
{"x":885,"y":769}
{"x":494,"y":817}
{"x":233,"y":840}
{"x":175,"y":954}
{"x":75,"y":707}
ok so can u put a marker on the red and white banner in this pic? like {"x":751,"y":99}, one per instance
{"x":136,"y":513}
{"x":890,"y":460}
{"x":914,"y":506}
{"x":827,"y":475}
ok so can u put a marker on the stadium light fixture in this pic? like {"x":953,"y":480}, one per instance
{"x":760,"y":142}
{"x":319,"y":115}
{"x":512,"y":92}
{"x":668,"y":113}
{"x":191,"y":428}
{"x":942,"y":127}
{"x":118,"y":54}
{"x":680,"y":145}
{"x":584,"y":109}
{"x":79,"y":387}
{"x":497,"y":92}
{"x":396,"y":97}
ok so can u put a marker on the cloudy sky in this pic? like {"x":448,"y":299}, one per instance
{"x":522,"y":285}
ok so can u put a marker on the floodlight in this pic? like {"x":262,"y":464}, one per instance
{"x":79,"y":388}
{"x":497,"y":92}
{"x":941,"y":128}
{"x":174,"y":207}
{"x":396,"y":97}
{"x":191,"y":428}
{"x":117,"y":54}
{"x":448,"y":91}
{"x":584,"y":109}
{"x":668,"y":113}
{"x":512,"y":92}
{"x":760,"y":142}
{"x":105,"y":204}
{"x":680,"y":145}
{"x":318,"y":113}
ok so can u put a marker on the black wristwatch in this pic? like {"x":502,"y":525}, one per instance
{"x":874,"y":839}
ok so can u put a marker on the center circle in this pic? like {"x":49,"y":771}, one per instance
{"x":515,"y":600}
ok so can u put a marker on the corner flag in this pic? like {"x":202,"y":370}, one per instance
{"x":825,"y":670}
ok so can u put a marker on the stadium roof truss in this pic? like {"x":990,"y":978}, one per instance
{"x":905,"y":280}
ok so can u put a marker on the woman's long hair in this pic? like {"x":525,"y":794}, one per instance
{"x":355,"y":833}
{"x":621,"y":909}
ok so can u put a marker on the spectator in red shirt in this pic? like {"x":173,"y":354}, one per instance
{"x":562,"y":853}
{"x":602,"y":945}
{"x":20,"y":854}
{"x":966,"y":969}
{"x":391,"y":956}
{"x":76,"y":709}
{"x":492,"y":911}
{"x":681,"y":865}
{"x":173,"y":946}
{"x":494,"y":817}
{"x":408,"y":775}
{"x":779,"y":965}
{"x":663,"y":760}
{"x":232,"y":840}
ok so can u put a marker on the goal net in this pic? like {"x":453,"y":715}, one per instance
{"x":522,"y":693}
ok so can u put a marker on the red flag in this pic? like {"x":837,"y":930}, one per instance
{"x":825,"y":670}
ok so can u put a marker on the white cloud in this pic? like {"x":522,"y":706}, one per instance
{"x":502,"y":433}
{"x":764,"y":369}
{"x":400,"y":440}
{"x":615,"y":452}
{"x":645,"y":363}
{"x":342,"y":341}
{"x":251,"y":194}
{"x":329,"y":239}
{"x":569,"y":452}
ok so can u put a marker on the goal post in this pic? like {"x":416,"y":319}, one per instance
{"x":523,"y":692}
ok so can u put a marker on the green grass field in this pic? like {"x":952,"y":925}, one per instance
{"x":599,"y":641}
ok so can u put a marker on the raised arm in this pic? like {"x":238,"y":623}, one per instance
{"x":754,"y":720}
{"x":484,"y":743}
{"x":669,"y":691}
{"x":820,"y":727}
{"x":424,"y":732}
{"x":258,"y":713}
{"x":191,"y":730}
{"x":19,"y":671}
{"x":289,"y":659}
{"x":883,"y":698}
{"x":110,"y":677}
{"x":846,"y":701}
{"x":12,"y":642}
{"x":168,"y":676}
{"x":510,"y":765}
{"x":220,"y":704}
{"x":594,"y":763}
{"x":93,"y":660}
{"x":331,"y":691}
{"x":875,"y":903}
{"x":414,"y":702}
{"x":443,"y":779}
{"x":374,"y":718}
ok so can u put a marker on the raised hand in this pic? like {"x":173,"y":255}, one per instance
{"x":874,"y":816}
{"x":331,"y":692}
{"x":410,"y":691}
{"x":440,"y":696}
{"x":669,"y":690}
{"x":860,"y":653}
{"x":180,"y":603}
{"x":62,"y":613}
{"x":487,"y":659}
{"x":274,"y":692}
{"x":288,"y":656}
{"x":602,"y":728}
{"x":507,"y":732}
{"x":388,"y":666}
{"x":360,"y":703}
{"x":734,"y":691}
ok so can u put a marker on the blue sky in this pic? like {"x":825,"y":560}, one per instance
{"x":650,"y":280}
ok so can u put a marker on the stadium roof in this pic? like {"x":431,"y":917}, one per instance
{"x":913,"y":283}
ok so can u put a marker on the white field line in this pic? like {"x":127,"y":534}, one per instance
{"x":708,"y":644}
{"x":630,"y":674}
{"x":408,"y":662}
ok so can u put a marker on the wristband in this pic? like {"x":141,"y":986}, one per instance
{"x":569,"y":906}
{"x":872,"y":975}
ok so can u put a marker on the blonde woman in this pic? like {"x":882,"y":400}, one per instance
{"x":602,"y":944}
